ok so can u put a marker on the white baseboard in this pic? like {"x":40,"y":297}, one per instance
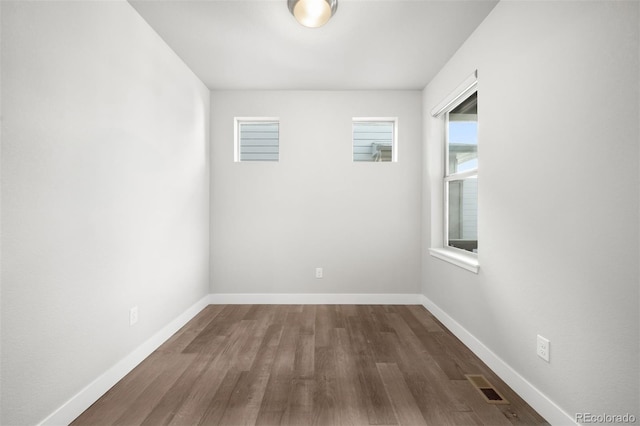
{"x":536,"y":399}
{"x":92,"y":392}
{"x":315,"y":299}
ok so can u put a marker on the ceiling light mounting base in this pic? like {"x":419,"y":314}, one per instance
{"x":312,"y":13}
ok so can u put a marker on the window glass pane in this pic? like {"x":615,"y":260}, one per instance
{"x":373,"y":140}
{"x":259,"y":141}
{"x":463,"y":136}
{"x":463,"y":214}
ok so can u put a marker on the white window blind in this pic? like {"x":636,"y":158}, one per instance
{"x":257,"y":139}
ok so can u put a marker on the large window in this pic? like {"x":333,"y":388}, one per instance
{"x":454,"y":236}
{"x":461,"y":175}
{"x":375,"y":139}
{"x":257,"y":139}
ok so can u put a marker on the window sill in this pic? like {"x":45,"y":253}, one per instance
{"x":463,"y":260}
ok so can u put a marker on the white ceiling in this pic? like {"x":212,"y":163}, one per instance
{"x":257,"y":44}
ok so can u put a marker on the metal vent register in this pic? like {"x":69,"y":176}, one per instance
{"x":486,"y":389}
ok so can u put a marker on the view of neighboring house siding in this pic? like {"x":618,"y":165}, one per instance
{"x":469,"y":210}
{"x":372,"y":141}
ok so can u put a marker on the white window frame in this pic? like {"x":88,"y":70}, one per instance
{"x":443,"y":251}
{"x":236,"y":135}
{"x":394,"y":143}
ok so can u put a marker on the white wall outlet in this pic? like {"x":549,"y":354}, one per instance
{"x":319,"y":273}
{"x":133,"y":316}
{"x":543,"y":348}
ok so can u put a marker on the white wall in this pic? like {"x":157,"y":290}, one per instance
{"x":105,"y":176}
{"x":273,"y":223}
{"x":558,"y":203}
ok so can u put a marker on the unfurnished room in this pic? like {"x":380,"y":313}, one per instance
{"x":320,"y":212}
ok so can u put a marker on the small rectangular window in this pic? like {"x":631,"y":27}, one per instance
{"x":375,"y":139}
{"x":257,"y":139}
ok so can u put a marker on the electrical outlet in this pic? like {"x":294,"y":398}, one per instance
{"x":133,"y":316}
{"x":543,"y":348}
{"x":319,"y":273}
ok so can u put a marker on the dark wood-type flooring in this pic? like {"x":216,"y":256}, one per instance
{"x":308,"y":365}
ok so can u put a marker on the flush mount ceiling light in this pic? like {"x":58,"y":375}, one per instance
{"x":312,"y":13}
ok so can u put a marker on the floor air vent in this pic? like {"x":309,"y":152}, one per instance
{"x":488,"y":392}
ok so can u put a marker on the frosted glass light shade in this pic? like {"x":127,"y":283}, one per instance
{"x":312,"y":13}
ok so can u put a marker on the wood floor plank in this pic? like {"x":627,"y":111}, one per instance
{"x":171,"y":368}
{"x":308,"y":365}
{"x":416,"y":356}
{"x":245,"y":402}
{"x":181,"y":339}
{"x":348,"y":311}
{"x":206,"y":386}
{"x":407,"y":411}
{"x":305,"y":357}
{"x":324,"y":323}
{"x":251,"y":346}
{"x":427,"y":387}
{"x":197,"y":400}
{"x":455,"y":362}
{"x":373,"y":322}
{"x":379,"y":408}
{"x":426,"y":338}
{"x":109,"y":407}
{"x":324,"y":402}
{"x":338,"y":317}
{"x":164,"y":411}
{"x":467,"y":418}
{"x":425,"y":318}
{"x":218,"y":404}
{"x":350,"y":398}
{"x":308,"y":319}
{"x":301,"y":403}
{"x":274,"y":314}
{"x":226,"y":319}
{"x":277,"y":393}
{"x":379,"y":317}
{"x":255,"y":312}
